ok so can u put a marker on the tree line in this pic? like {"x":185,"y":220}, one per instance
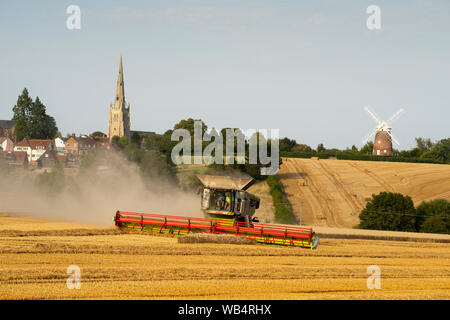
{"x":163,"y":145}
{"x":424,"y":151}
{"x":396,"y":212}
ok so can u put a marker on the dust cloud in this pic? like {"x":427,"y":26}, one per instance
{"x":109,"y":182}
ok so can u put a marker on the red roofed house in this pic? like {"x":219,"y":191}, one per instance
{"x":6,"y":144}
{"x":103,"y":142}
{"x":79,"y":145}
{"x":35,"y":147}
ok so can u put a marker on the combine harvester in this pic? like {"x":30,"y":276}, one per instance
{"x":229,"y":209}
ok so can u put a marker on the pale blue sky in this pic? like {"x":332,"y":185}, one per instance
{"x":305,"y":67}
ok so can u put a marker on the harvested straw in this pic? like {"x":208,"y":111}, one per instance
{"x":214,"y":238}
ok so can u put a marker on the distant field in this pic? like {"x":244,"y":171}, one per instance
{"x":266,"y":212}
{"x":333,"y":192}
{"x":137,"y":266}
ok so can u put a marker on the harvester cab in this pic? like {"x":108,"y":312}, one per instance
{"x":226,"y":197}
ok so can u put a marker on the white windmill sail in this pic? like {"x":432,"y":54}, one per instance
{"x":369,"y":136}
{"x":384,"y":126}
{"x":394,"y":139}
{"x":377,"y":120}
{"x":372,"y":114}
{"x":395,"y":116}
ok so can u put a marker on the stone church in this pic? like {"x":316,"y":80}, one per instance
{"x":119,"y":112}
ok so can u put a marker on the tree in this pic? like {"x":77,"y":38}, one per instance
{"x":153,"y":166}
{"x":389,"y":211}
{"x":302,"y":148}
{"x":435,"y":224}
{"x":423,"y":145}
{"x":433,"y":155}
{"x":321,"y":148}
{"x":123,"y":142}
{"x":287,"y":144}
{"x":434,"y":216}
{"x":22,"y":110}
{"x":440,"y":151}
{"x":415,"y":152}
{"x":115,"y":140}
{"x":161,"y":143}
{"x":188,"y":124}
{"x":32,"y":120}
{"x":136,"y":138}
{"x":42,"y":126}
{"x":367,"y":148}
{"x":237,"y":136}
{"x":50,"y":127}
{"x":98,"y":134}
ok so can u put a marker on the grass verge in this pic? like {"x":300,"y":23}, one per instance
{"x":283,"y":212}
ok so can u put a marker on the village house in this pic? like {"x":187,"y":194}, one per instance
{"x":6,"y":144}
{"x":79,"y":145}
{"x":60,"y":145}
{"x":15,"y":159}
{"x":102,"y":142}
{"x":50,"y":158}
{"x":7,"y":128}
{"x":35,"y":147}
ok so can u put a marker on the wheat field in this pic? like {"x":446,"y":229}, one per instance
{"x":116,"y":265}
{"x":332,"y":193}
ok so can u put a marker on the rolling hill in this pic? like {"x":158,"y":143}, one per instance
{"x":333,"y":192}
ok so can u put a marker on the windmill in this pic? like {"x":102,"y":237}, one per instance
{"x":382,"y":145}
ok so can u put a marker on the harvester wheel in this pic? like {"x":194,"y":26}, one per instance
{"x":314,"y":241}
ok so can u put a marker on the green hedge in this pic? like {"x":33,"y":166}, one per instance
{"x":283,"y":214}
{"x":342,"y":155}
{"x":363,"y":157}
{"x":298,"y":154}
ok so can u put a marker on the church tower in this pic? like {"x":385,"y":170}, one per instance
{"x":119,"y":112}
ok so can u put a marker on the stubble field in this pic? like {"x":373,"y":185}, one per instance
{"x":332,"y":193}
{"x":115,"y":265}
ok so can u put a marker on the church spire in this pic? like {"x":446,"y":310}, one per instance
{"x":119,"y":114}
{"x":120,"y":91}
